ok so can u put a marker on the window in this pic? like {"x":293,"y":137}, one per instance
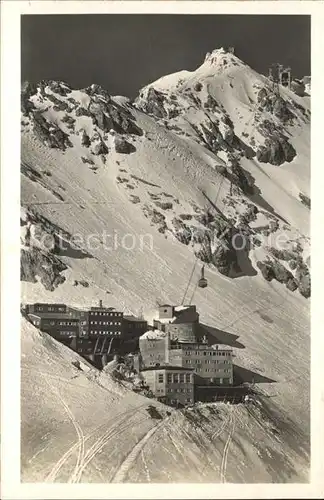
{"x":175,"y":378}
{"x":188,"y":378}
{"x":169,"y":378}
{"x":182,"y":378}
{"x":160,"y":378}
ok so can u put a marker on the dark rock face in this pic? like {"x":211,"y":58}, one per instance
{"x":122,"y":121}
{"x":266,"y":270}
{"x":211,"y":104}
{"x":100,"y":149}
{"x":49,"y":133}
{"x":274,"y":104}
{"x":27,"y":90}
{"x":87,"y":160}
{"x":123,"y":146}
{"x":281,"y":110}
{"x":213,"y":138}
{"x":181,"y":231}
{"x":225,"y":256}
{"x":222,"y":261}
{"x":156,"y":218}
{"x":59,"y":104}
{"x":304,"y":280}
{"x":165,"y":205}
{"x":60,"y":88}
{"x":108,"y":116}
{"x":273,"y":269}
{"x":203,"y":251}
{"x":36,"y":262}
{"x":283,"y":254}
{"x":305,"y":200}
{"x":96,"y":89}
{"x":85,"y":139}
{"x":241,"y":177}
{"x":291,"y":284}
{"x":276,"y":151}
{"x":98,"y":111}
{"x":69,"y":120}
{"x":281,"y":274}
{"x":154,"y":103}
{"x":81,"y":111}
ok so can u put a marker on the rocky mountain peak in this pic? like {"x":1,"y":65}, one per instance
{"x":222,"y":57}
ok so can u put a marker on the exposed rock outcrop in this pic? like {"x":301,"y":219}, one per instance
{"x":276,"y":150}
{"x":181,"y":231}
{"x":49,"y":133}
{"x":37,"y":264}
{"x":123,"y":146}
{"x":85,"y":139}
{"x":304,"y":279}
{"x":27,"y":90}
{"x":305,"y":200}
{"x":154,"y":103}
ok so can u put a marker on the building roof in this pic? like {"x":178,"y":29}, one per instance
{"x":167,"y":367}
{"x":110,"y":309}
{"x":134,"y":318}
{"x":153,"y":335}
{"x":53,"y":315}
{"x":47,"y":304}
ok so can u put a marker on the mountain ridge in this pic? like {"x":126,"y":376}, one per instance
{"x":185,"y":168}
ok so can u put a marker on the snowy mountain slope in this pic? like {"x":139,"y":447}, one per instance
{"x":89,"y":428}
{"x":144,"y":176}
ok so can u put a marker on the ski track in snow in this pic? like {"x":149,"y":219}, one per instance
{"x":227,"y":446}
{"x":121,"y":473}
{"x":79,"y":445}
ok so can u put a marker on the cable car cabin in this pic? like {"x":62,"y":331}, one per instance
{"x":202,"y":283}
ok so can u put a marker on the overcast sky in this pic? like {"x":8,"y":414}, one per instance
{"x":125,"y":52}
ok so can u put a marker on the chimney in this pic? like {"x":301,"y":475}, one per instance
{"x":100,"y":303}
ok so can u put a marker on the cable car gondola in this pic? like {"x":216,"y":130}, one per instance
{"x":202,"y":283}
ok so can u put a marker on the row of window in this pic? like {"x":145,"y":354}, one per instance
{"x":208,"y":361}
{"x":207,"y":353}
{"x":176,"y":378}
{"x":182,"y":389}
{"x":212,"y":370}
{"x":105,"y":323}
{"x":66,"y":333}
{"x":179,"y":389}
{"x":103,"y":332}
{"x":63,"y":323}
{"x":174,"y":401}
{"x":50,"y":308}
{"x":104,"y":313}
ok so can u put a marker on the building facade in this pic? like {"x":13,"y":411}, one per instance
{"x":95,"y":333}
{"x":133,"y":327}
{"x":212,"y":364}
{"x":171,"y":384}
{"x":60,"y":326}
{"x":46,"y":308}
{"x":178,"y":341}
{"x":181,"y":322}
